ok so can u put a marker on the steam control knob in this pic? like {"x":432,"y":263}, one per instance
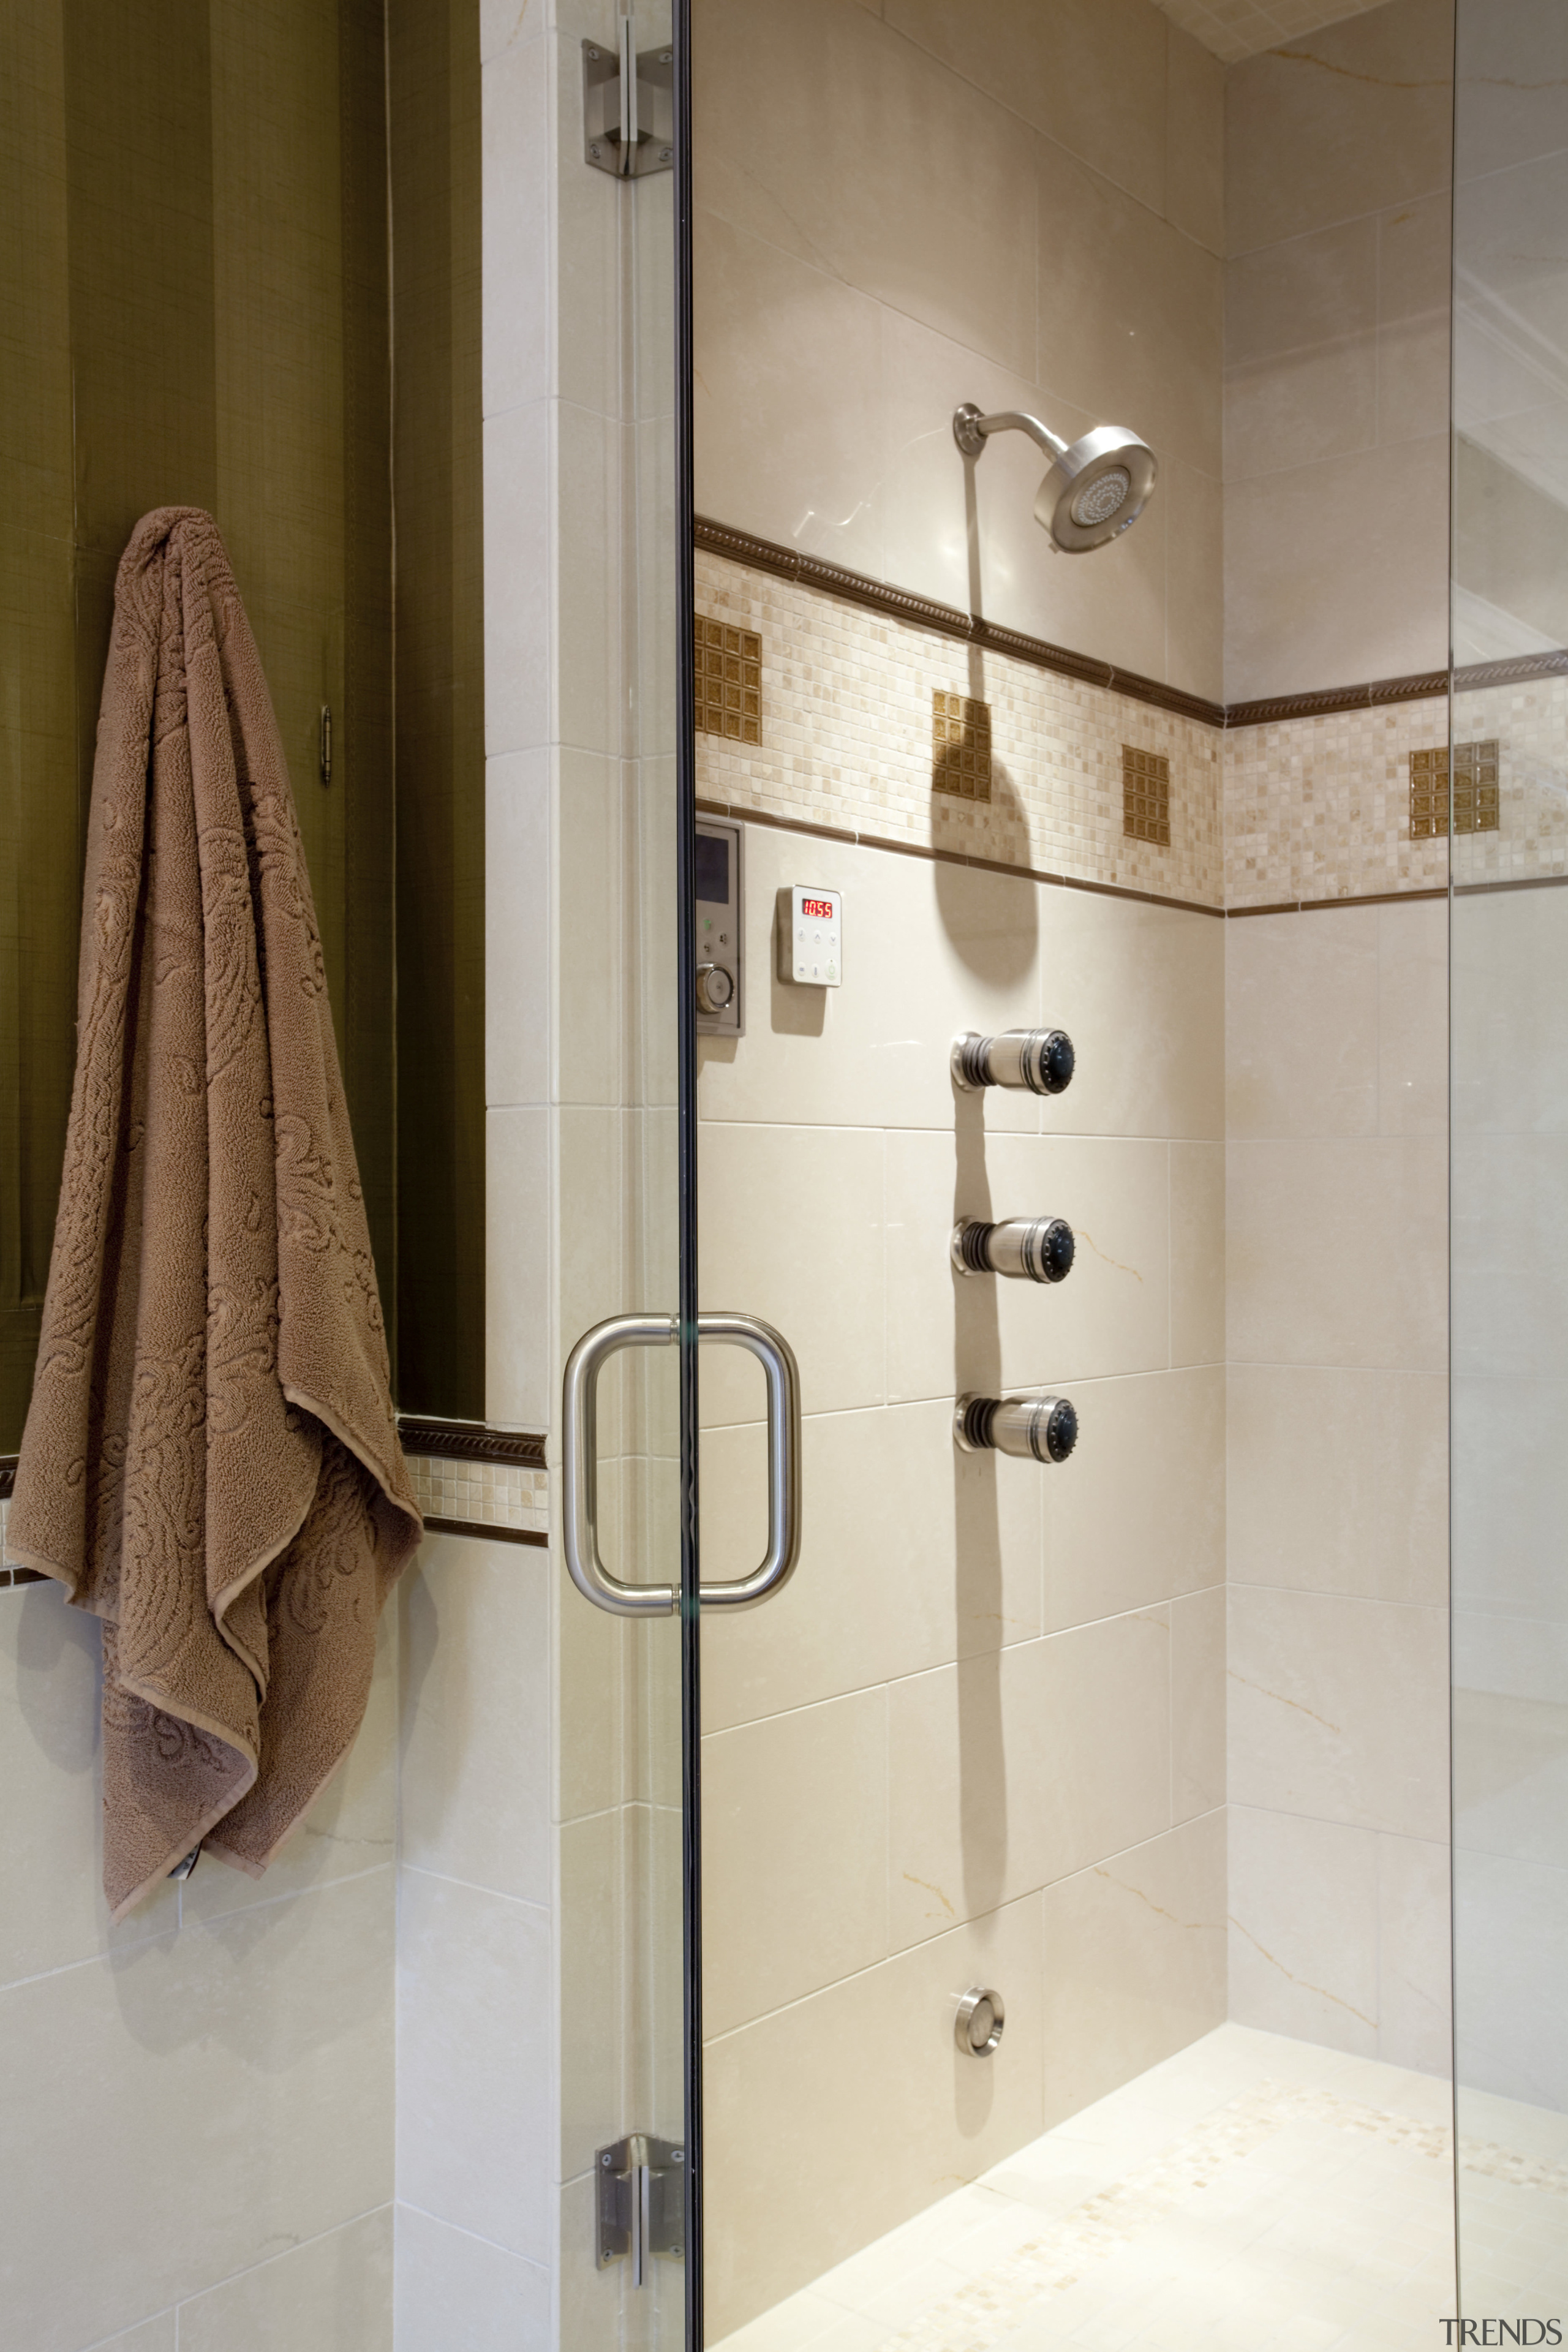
{"x":1040,"y":1249}
{"x":1036,"y":1428}
{"x":715,"y":987}
{"x":1039,"y":1059}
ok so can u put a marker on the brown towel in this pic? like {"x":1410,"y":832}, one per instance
{"x":211,"y":1461}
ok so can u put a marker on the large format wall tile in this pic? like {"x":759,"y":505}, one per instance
{"x":768,"y":1190}
{"x":1198,"y":1759}
{"x":519,"y":924}
{"x":1134,"y":1962}
{"x":1110,"y":1315}
{"x":475,"y":1766}
{"x":516,"y":258}
{"x":874,"y":2113}
{"x":1010,"y":1770}
{"x":319,"y":2297}
{"x":1303,"y":1929}
{"x":870,"y":160}
{"x":517,"y":1269}
{"x":456,"y":2289}
{"x":794,"y":1829}
{"x":1301,"y":616}
{"x":261,"y":2041}
{"x":475,"y":2037}
{"x":1339,"y":1252}
{"x":1115,"y":1542}
{"x":1092,"y":75}
{"x":954,"y":1571}
{"x":1197,"y":1253}
{"x":518,"y":620}
{"x":1302,"y":1024}
{"x":1338,"y":1709}
{"x":1130,"y":314}
{"x":1338,"y":1481}
{"x":787,"y":404}
{"x":1348,"y":120}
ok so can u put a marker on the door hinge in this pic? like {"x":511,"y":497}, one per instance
{"x":628,"y":108}
{"x":641,"y":2203}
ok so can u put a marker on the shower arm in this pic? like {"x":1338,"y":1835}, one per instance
{"x":970,"y":430}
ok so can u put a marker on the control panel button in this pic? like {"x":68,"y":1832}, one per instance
{"x":714,"y":988}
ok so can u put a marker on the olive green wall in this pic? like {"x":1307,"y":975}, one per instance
{"x":195,"y":309}
{"x":434,"y":88}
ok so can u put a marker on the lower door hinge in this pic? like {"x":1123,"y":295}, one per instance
{"x":640,"y":2209}
{"x":628,"y":108}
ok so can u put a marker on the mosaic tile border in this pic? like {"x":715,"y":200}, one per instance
{"x":499,"y":1489}
{"x":850,"y":700}
{"x":1312,"y":806}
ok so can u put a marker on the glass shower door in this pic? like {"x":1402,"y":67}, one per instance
{"x":1509,"y":1195}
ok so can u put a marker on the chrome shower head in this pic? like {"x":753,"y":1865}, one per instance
{"x":1096,"y":487}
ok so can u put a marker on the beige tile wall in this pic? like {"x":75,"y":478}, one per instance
{"x":1233,"y":29}
{"x":902,"y":208}
{"x":980,"y":1735}
{"x":1336,"y":363}
{"x":214,"y":2077}
{"x":1337,"y":1477}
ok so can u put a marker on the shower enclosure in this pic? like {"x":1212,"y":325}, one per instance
{"x":958,"y":1079}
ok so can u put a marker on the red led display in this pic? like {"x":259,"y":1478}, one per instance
{"x":821,"y":909}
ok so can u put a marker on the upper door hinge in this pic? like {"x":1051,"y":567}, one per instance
{"x":628,"y":108}
{"x":641,"y":2205}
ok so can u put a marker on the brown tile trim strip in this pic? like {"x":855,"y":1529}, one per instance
{"x":924,"y":613}
{"x":470,"y":1441}
{"x":899,"y":604}
{"x":490,"y":1534}
{"x":744,"y":812}
{"x":1523,"y":882}
{"x":1317,"y":905}
{"x":1374,"y":696}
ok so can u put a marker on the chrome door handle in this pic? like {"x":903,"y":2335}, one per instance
{"x":776,"y":1357}
{"x":579,"y":1462}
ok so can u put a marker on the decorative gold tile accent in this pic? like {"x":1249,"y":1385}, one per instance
{"x":959,"y":746}
{"x":728,"y":671}
{"x":1145,"y":795}
{"x":1476,"y":803}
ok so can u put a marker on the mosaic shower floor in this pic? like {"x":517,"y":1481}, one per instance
{"x":1253,"y":2194}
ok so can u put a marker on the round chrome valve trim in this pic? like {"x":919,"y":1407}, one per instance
{"x":982,"y":2014}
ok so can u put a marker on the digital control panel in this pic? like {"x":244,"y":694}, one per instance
{"x":811,"y":935}
{"x":720,"y":1009}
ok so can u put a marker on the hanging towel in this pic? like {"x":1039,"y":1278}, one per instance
{"x":211,"y":1462}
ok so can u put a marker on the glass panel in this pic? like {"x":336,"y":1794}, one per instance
{"x":1509,"y":1206}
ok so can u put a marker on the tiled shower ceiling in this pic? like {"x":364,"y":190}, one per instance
{"x":1239,"y":29}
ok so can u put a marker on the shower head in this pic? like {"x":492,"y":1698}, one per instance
{"x":1096,"y":487}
